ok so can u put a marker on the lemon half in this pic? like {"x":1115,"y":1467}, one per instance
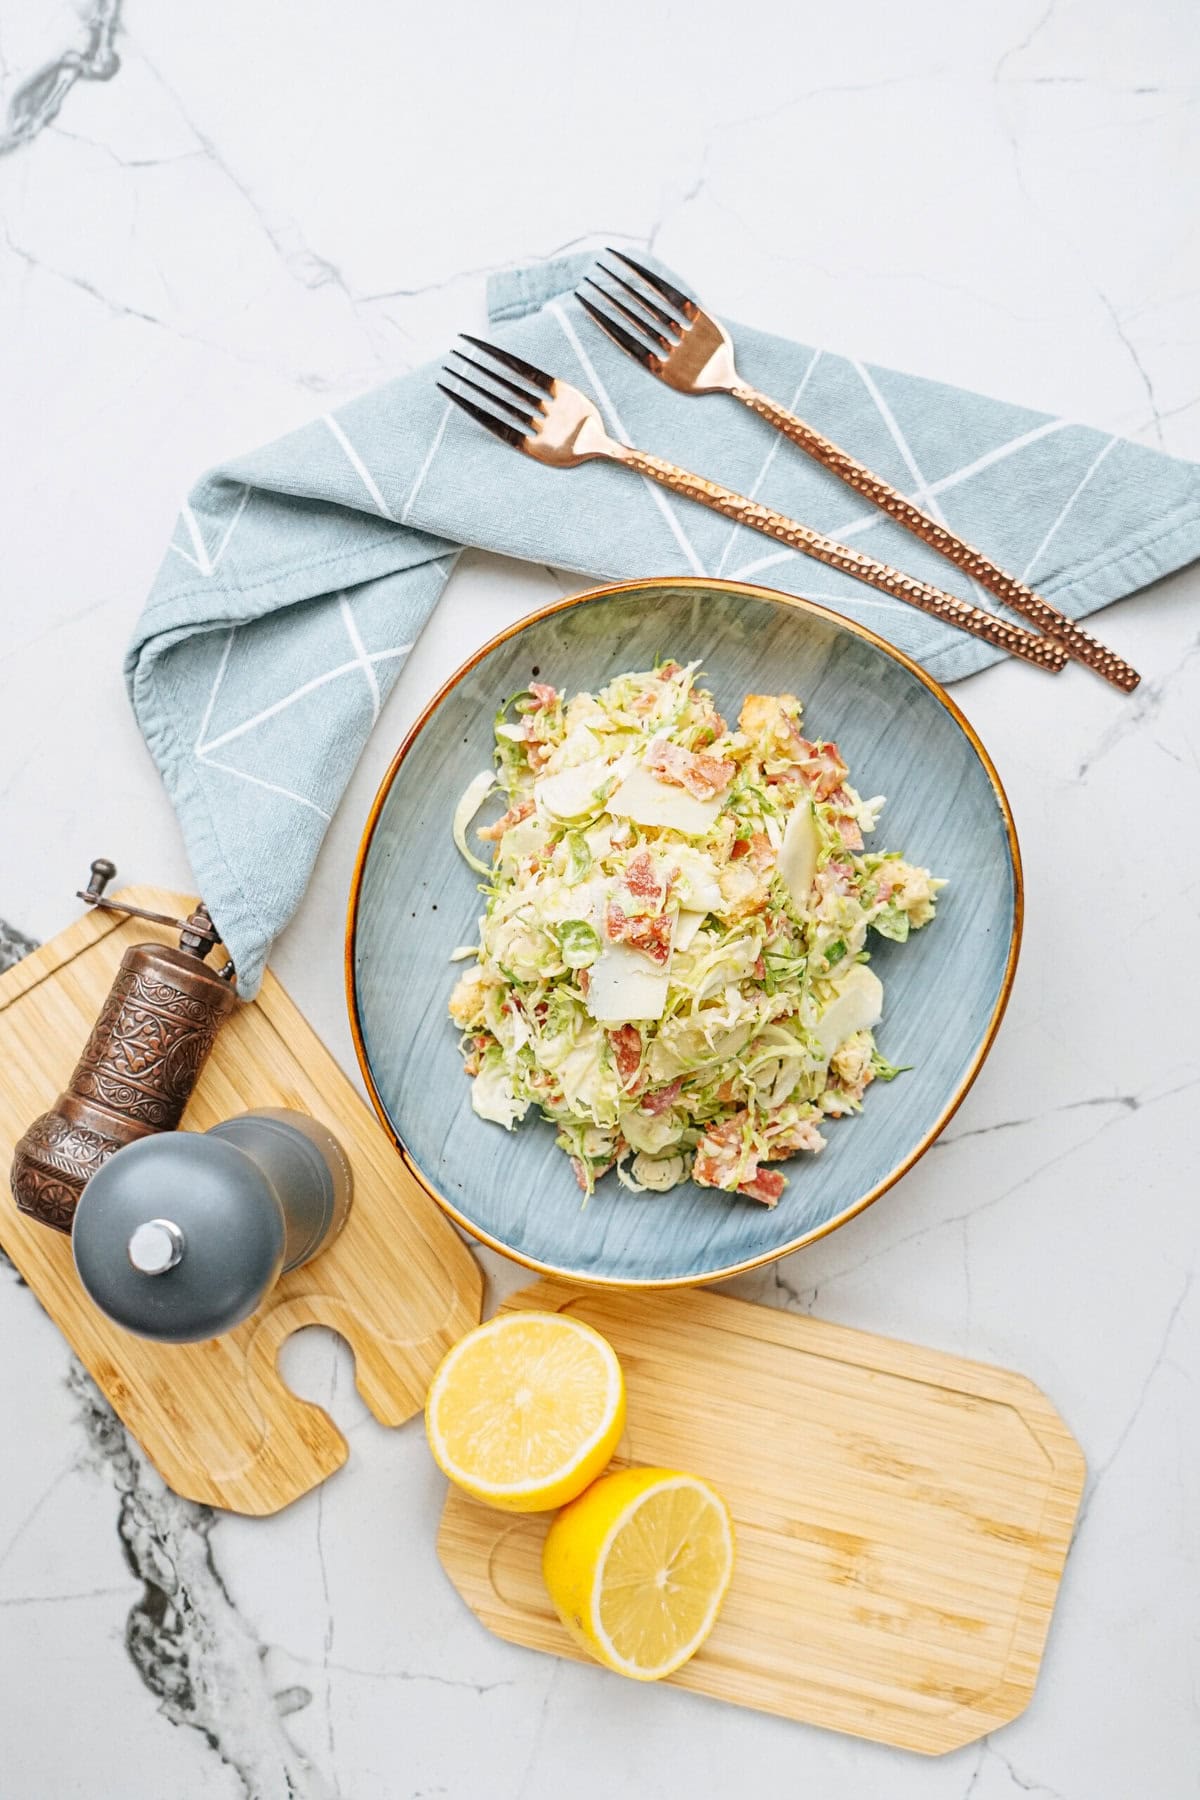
{"x":526,"y":1410}
{"x":637,"y":1569}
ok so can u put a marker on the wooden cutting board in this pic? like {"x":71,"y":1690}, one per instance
{"x":398,"y":1284}
{"x":902,"y":1516}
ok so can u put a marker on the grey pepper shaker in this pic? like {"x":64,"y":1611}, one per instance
{"x":180,"y":1237}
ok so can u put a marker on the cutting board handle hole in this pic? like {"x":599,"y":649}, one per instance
{"x":317,"y":1364}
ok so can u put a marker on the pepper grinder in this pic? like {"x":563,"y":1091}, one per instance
{"x":181,"y":1237}
{"x":138,"y":1067}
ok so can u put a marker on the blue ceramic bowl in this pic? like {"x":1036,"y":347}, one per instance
{"x":414,"y":900}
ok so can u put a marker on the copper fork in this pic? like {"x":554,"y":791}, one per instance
{"x":692,"y":352}
{"x":557,"y":424}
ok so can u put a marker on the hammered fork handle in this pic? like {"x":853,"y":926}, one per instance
{"x":1079,"y":644}
{"x":1043,"y":652}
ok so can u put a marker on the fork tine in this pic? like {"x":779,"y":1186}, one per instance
{"x":497,"y":427}
{"x":635,"y":294}
{"x":635,"y":319}
{"x":619,"y":335}
{"x":522,"y":418}
{"x":538,"y":377}
{"x":660,"y":284}
{"x":493,"y":375}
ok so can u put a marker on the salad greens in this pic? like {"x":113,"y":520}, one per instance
{"x":672,"y":964}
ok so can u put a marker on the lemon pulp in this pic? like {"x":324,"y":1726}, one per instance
{"x":526,"y":1410}
{"x":637,"y":1568}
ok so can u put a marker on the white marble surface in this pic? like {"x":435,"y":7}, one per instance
{"x":263,"y":210}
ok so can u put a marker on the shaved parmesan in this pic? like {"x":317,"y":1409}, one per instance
{"x":528,"y":837}
{"x":649,"y":802}
{"x":857,"y":1006}
{"x":572,"y":791}
{"x":798,"y":853}
{"x":624,"y":985}
{"x":689,"y":924}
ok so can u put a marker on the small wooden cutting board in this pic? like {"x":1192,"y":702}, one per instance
{"x":902,"y":1516}
{"x":399,"y":1284}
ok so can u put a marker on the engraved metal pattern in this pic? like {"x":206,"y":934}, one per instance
{"x":146,"y":1049}
{"x":562,"y":427}
{"x":47,"y":1198}
{"x":54,"y":1161}
{"x":1043,"y":652}
{"x":1080,"y":644}
{"x":135,"y":1076}
{"x":72,"y":1149}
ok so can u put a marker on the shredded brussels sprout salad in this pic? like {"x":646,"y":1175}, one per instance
{"x":672,"y":964}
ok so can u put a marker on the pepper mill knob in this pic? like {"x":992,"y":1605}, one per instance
{"x":103,"y":872}
{"x":155,"y":1247}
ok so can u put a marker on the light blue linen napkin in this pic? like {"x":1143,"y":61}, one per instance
{"x":300,"y":575}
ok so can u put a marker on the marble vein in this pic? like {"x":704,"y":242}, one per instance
{"x":1023,"y":1181}
{"x":1102,"y":1468}
{"x":1131,"y":348}
{"x":192,"y":1649}
{"x":119,"y":309}
{"x":1143,"y":706}
{"x":539,"y":1730}
{"x":39,"y":99}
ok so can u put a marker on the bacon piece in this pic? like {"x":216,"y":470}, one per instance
{"x":543,"y":696}
{"x":627,"y":1047}
{"x":667,"y":670}
{"x":719,"y":1154}
{"x":847,"y":830}
{"x":651,"y":934}
{"x":766,"y":1186}
{"x":696,"y":771}
{"x":821,"y":766}
{"x":493,"y":833}
{"x":662,"y":1099}
{"x":720,"y":1160}
{"x":643,"y":880}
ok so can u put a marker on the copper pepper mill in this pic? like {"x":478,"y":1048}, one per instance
{"x":138,"y":1067}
